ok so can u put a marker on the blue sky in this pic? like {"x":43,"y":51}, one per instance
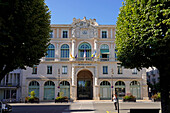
{"x":104,"y":11}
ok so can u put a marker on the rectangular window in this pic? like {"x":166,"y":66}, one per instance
{"x":64,"y":69}
{"x":104,"y":34}
{"x":65,"y":34}
{"x":134,"y":71}
{"x":120,"y":70}
{"x":51,"y":34}
{"x":34,"y":69}
{"x":49,"y":69}
{"x":105,"y":69}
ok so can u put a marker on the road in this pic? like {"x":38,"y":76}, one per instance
{"x":80,"y":107}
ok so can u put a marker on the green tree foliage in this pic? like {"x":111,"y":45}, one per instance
{"x":143,"y":39}
{"x":24,"y":33}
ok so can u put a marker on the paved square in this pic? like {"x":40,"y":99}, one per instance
{"x":81,"y":107}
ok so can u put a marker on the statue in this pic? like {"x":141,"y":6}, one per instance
{"x":73,"y":32}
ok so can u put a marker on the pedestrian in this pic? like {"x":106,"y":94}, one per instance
{"x":115,"y":101}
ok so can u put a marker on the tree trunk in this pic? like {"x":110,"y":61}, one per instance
{"x":165,"y":90}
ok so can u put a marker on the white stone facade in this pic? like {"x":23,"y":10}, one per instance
{"x":84,"y":75}
{"x":10,"y":87}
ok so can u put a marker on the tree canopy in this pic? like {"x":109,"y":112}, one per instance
{"x":143,"y":38}
{"x":24,"y":33}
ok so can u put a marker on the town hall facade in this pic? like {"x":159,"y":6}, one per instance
{"x":82,"y":64}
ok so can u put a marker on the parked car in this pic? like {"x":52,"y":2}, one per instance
{"x":5,"y":108}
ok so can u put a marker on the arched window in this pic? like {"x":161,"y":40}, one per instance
{"x":105,"y":83}
{"x":120,"y":83}
{"x":85,"y":48}
{"x":64,"y":51}
{"x":105,"y":90}
{"x":34,"y":86}
{"x":65,"y":88}
{"x":104,"y":51}
{"x":49,"y":90}
{"x":49,"y":83}
{"x":135,"y":89}
{"x":120,"y":88}
{"x":64,"y":83}
{"x":135,"y":83}
{"x":51,"y":51}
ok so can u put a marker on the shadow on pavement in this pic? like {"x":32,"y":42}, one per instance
{"x":46,"y":109}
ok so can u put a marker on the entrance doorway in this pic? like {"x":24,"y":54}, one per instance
{"x":84,"y":85}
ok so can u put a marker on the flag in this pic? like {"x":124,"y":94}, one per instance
{"x":93,"y":55}
{"x":76,"y":56}
{"x":84,"y":54}
{"x":98,"y":56}
{"x":71,"y":56}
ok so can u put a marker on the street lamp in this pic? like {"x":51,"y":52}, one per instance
{"x":58,"y":82}
{"x":112,"y":83}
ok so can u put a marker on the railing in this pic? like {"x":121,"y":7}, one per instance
{"x":104,"y":59}
{"x":10,"y":85}
{"x":82,"y":58}
{"x":64,"y":59}
{"x":79,"y":59}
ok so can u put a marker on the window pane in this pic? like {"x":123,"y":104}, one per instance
{"x":49,"y":69}
{"x":34,"y":70}
{"x":65,"y":34}
{"x":51,"y":34}
{"x":105,"y":69}
{"x":104,"y":34}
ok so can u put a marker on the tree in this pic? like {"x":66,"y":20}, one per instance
{"x":24,"y":33}
{"x":143,"y":40}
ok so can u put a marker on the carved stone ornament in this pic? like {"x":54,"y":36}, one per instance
{"x":84,"y":28}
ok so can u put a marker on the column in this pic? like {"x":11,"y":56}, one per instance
{"x":96,"y":86}
{"x":111,"y":33}
{"x":73,"y":46}
{"x":127,"y":87}
{"x":73,"y":88}
{"x":57,"y":52}
{"x":56,"y":88}
{"x":57,"y":33}
{"x":95,"y":49}
{"x":13,"y":79}
{"x":41,"y":91}
{"x":95,"y":77}
{"x":112,"y":52}
{"x":73,"y":76}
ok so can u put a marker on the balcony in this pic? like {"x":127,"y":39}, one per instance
{"x":64,"y":59}
{"x":10,"y":85}
{"x":79,"y":59}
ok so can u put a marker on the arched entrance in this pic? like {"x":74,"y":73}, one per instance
{"x":84,"y":85}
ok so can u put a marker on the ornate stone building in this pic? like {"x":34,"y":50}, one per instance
{"x":81,"y":63}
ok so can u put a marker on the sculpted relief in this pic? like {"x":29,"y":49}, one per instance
{"x":84,"y":28}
